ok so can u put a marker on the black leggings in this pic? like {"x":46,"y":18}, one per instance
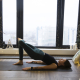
{"x":32,"y":51}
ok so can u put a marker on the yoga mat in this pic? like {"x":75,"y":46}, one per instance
{"x":8,"y":66}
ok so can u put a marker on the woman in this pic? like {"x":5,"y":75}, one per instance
{"x":38,"y":54}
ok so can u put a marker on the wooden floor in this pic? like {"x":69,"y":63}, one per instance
{"x":40,"y":75}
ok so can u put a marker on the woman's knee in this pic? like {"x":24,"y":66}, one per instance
{"x":20,"y":42}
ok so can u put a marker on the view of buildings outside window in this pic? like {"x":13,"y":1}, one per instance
{"x":9,"y":20}
{"x":70,"y":22}
{"x":39,"y":21}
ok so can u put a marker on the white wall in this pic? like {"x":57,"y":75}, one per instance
{"x":49,"y":51}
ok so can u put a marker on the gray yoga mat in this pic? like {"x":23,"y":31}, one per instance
{"x":8,"y":66}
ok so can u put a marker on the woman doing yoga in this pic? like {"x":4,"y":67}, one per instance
{"x":38,"y":54}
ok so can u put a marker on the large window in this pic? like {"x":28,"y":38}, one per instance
{"x":70,"y":21}
{"x":40,"y":22}
{"x":9,"y":20}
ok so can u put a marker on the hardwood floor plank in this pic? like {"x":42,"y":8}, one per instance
{"x":18,"y":79}
{"x":66,"y":78}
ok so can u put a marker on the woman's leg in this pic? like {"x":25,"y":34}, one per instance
{"x":32,"y":51}
{"x":20,"y":52}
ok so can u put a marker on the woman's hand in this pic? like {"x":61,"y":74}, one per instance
{"x":29,"y":62}
{"x":32,"y":62}
{"x":27,"y":68}
{"x":37,"y":62}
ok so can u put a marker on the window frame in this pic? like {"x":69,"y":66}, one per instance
{"x":1,"y":35}
{"x":59,"y":24}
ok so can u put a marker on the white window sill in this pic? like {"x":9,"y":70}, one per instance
{"x":49,"y":51}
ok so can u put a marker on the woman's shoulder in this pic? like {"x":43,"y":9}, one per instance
{"x":54,"y":65}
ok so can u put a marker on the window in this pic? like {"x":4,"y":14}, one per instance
{"x":42,"y":23}
{"x":70,"y":21}
{"x":39,"y":20}
{"x":9,"y":20}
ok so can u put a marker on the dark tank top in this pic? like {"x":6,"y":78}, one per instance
{"x":48,"y":59}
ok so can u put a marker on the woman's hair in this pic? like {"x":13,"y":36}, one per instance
{"x":67,"y":64}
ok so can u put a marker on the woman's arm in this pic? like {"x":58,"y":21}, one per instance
{"x":51,"y":66}
{"x":38,"y":62}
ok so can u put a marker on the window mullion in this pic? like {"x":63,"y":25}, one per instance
{"x":1,"y":34}
{"x":60,"y":15}
{"x":79,"y":14}
{"x":19,"y":19}
{"x":78,"y":24}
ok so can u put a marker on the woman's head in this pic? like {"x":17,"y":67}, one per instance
{"x":64,"y":63}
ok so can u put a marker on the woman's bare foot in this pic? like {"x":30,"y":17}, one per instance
{"x":18,"y":63}
{"x":19,"y":39}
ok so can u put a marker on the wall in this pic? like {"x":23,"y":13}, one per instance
{"x":49,"y":51}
